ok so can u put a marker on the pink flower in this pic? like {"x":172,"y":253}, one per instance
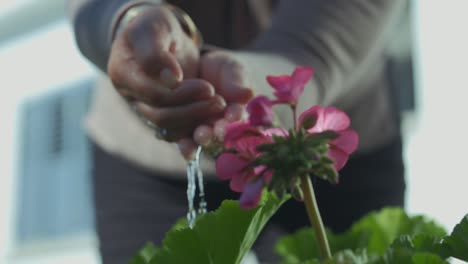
{"x":288,"y":89}
{"x":237,"y":168}
{"x":277,"y":131}
{"x":260,"y":111}
{"x":251,"y":195}
{"x":233,"y":167}
{"x":238,"y":130}
{"x":330,"y":118}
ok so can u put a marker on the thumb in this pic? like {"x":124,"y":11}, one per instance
{"x":156,"y":58}
{"x":227,"y":75}
{"x":235,"y":86}
{"x":153,"y":43}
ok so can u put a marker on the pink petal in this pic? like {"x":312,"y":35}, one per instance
{"x":251,"y":195}
{"x":259,"y":169}
{"x":275,"y":131}
{"x":288,"y":89}
{"x":283,"y":89}
{"x":260,"y":111}
{"x":300,"y":77}
{"x":286,"y":97}
{"x":347,"y":141}
{"x":338,"y":156}
{"x":237,"y":130}
{"x":247,"y":145}
{"x":279,"y":83}
{"x":335,"y":119}
{"x":264,"y":172}
{"x":316,"y":112}
{"x":229,"y":165}
{"x":267,"y":175}
{"x":240,"y":181}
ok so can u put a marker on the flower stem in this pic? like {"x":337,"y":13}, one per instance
{"x":314,"y":217}
{"x":293,"y":107}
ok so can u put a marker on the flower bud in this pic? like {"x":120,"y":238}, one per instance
{"x":308,"y":122}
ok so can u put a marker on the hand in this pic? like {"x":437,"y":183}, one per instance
{"x":230,"y":79}
{"x":228,"y":75}
{"x":147,"y":63}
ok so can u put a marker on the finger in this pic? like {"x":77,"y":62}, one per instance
{"x":151,"y":92}
{"x":164,"y":66}
{"x":228,"y":75}
{"x":189,"y":115}
{"x":187,"y":148}
{"x":131,"y":82}
{"x":203,"y":134}
{"x":234,"y":83}
{"x":150,"y":39}
{"x":189,"y":91}
{"x":234,"y":112}
{"x":219,"y":128}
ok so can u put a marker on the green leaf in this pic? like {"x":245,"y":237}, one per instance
{"x":457,"y":242}
{"x":222,"y":236}
{"x":421,"y":243}
{"x":429,"y":243}
{"x":182,"y":246}
{"x":382,"y":228}
{"x":180,"y":224}
{"x":404,"y":256}
{"x":145,"y":254}
{"x":374,"y":232}
{"x":313,"y":261}
{"x":298,"y":248}
{"x":427,"y":258}
{"x":350,"y":257}
{"x":137,"y":259}
{"x":342,"y":257}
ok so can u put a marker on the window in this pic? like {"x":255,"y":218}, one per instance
{"x":54,"y":193}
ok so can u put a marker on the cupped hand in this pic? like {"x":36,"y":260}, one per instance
{"x":149,"y":59}
{"x":228,"y":75}
{"x":231,"y":81}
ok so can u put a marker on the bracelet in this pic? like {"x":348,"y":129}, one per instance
{"x":187,"y":24}
{"x":128,"y":16}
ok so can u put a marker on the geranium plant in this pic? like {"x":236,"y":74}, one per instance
{"x":279,"y":162}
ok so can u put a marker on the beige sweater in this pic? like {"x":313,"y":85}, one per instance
{"x":345,"y":41}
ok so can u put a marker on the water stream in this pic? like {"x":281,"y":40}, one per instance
{"x":194,"y":175}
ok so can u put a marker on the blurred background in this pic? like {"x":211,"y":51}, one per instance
{"x":45,"y":204}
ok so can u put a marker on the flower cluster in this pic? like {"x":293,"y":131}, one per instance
{"x":257,"y":155}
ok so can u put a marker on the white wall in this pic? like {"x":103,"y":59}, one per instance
{"x":437,"y":142}
{"x":31,"y":66}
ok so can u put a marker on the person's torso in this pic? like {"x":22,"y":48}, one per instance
{"x":228,"y":24}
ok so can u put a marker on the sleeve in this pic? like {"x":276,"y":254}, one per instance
{"x":94,"y":22}
{"x":339,"y":38}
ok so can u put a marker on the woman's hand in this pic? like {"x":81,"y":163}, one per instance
{"x":148,"y":61}
{"x":231,"y":81}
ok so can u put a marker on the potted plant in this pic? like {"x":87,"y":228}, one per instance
{"x":268,"y":165}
